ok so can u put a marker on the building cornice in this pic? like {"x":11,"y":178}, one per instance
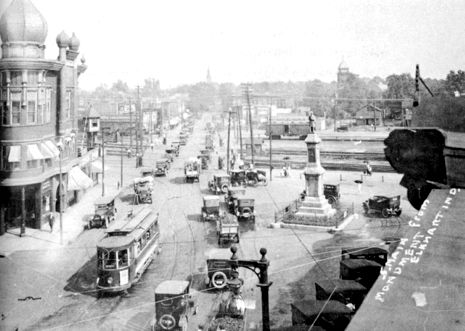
{"x":31,"y":64}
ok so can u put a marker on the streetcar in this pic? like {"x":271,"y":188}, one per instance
{"x":126,"y":251}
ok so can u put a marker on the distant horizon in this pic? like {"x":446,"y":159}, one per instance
{"x":176,"y":42}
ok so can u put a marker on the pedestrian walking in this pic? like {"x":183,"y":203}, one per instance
{"x":51,"y":220}
{"x":151,"y":146}
{"x":368,"y":170}
{"x":129,"y":153}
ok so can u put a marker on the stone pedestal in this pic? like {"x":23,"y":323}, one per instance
{"x":315,"y":209}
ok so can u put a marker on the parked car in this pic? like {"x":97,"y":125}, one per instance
{"x":256,"y":176}
{"x":219,"y":184}
{"x":105,"y":212}
{"x":211,"y":208}
{"x":331,"y":192}
{"x":227,"y":230}
{"x":218,"y":273}
{"x":170,"y":153}
{"x":173,"y":306}
{"x":161,"y":167}
{"x":238,"y":177}
{"x":176,"y":146}
{"x":146,"y":171}
{"x":386,"y":206}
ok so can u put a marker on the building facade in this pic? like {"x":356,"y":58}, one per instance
{"x":38,"y":106}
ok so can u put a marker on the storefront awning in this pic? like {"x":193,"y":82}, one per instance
{"x":15,"y":154}
{"x":97,"y":166}
{"x":33,"y":153}
{"x":78,"y":180}
{"x":51,"y":146}
{"x":46,"y":152}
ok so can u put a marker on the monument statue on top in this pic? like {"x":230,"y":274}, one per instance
{"x":312,"y":119}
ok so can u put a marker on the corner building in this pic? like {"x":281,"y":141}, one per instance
{"x":38,"y":108}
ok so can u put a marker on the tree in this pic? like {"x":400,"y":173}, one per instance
{"x":455,"y":82}
{"x":400,"y":87}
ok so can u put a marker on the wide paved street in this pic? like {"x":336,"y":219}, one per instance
{"x":64,"y":278}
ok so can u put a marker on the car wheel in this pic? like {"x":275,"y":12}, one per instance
{"x":398,"y":212}
{"x":385,"y":213}
{"x":219,"y":280}
{"x":331,"y":201}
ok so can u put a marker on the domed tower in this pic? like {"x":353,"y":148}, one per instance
{"x":38,"y":118}
{"x":342,"y":74}
{"x":23,"y":30}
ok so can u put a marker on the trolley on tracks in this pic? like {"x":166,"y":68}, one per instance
{"x":126,"y":251}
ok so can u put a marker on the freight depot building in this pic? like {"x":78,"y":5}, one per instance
{"x":38,"y":120}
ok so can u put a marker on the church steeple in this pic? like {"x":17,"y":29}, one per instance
{"x":209,"y":77}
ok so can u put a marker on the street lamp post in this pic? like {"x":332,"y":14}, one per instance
{"x":260,"y":269}
{"x":60,"y":189}
{"x":103,"y":164}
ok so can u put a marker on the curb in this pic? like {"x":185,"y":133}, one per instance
{"x":316,"y":228}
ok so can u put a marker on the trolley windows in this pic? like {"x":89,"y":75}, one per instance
{"x":123,"y":258}
{"x":113,"y":259}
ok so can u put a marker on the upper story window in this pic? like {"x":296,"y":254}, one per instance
{"x":15,"y":106}
{"x":31,"y":107}
{"x":68,"y":104}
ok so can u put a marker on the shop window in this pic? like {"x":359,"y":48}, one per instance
{"x":31,"y":107}
{"x":32,"y":164}
{"x":47,"y":110}
{"x":46,"y":203}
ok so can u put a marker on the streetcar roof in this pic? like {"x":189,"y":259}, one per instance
{"x":115,"y":242}
{"x":172,"y":287}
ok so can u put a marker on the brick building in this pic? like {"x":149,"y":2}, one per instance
{"x":38,"y":106}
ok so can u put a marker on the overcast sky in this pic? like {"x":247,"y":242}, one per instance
{"x":176,"y":41}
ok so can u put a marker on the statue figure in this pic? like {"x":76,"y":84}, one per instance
{"x":311,"y":119}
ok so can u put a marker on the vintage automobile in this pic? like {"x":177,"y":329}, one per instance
{"x":331,"y":192}
{"x":146,"y":171}
{"x":238,"y":177}
{"x":143,"y":190}
{"x":161,"y":167}
{"x":227,"y":229}
{"x":232,"y":196}
{"x":203,"y":160}
{"x":211,"y":208}
{"x":170,"y":153}
{"x":206,"y":152}
{"x":105,"y":213}
{"x":386,"y":206}
{"x":173,"y":306}
{"x":256,"y":176}
{"x":218,"y":272}
{"x":219,"y":184}
{"x":176,"y":146}
{"x":244,"y":208}
{"x":192,"y":170}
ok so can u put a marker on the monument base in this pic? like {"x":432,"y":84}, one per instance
{"x":315,"y":211}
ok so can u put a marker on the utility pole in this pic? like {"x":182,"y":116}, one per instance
{"x":60,"y":189}
{"x":103,"y":163}
{"x":239,"y":120}
{"x":250,"y":121}
{"x":130,"y":125}
{"x":227,"y":148}
{"x":271,"y":150}
{"x":121,"y":163}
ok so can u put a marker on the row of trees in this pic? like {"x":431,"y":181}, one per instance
{"x":318,"y":95}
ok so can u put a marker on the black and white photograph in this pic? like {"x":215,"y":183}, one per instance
{"x":232,"y":165}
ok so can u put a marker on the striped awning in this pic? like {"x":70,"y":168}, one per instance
{"x":46,"y":152}
{"x":78,"y":180}
{"x":15,"y":154}
{"x":52,"y":147}
{"x":33,"y":153}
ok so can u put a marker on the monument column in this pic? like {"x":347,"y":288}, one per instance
{"x":315,"y":209}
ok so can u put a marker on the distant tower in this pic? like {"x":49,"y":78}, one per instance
{"x":209,"y":77}
{"x":342,"y":74}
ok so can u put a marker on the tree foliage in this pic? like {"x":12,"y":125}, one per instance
{"x":455,"y":82}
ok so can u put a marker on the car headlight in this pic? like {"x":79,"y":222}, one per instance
{"x":110,"y":280}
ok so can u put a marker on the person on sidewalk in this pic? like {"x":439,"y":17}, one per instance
{"x":51,"y":220}
{"x":151,"y":146}
{"x":129,"y":153}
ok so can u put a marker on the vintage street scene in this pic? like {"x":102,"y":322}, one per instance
{"x":232,"y":166}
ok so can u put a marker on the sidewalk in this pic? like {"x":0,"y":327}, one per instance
{"x":76,"y":216}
